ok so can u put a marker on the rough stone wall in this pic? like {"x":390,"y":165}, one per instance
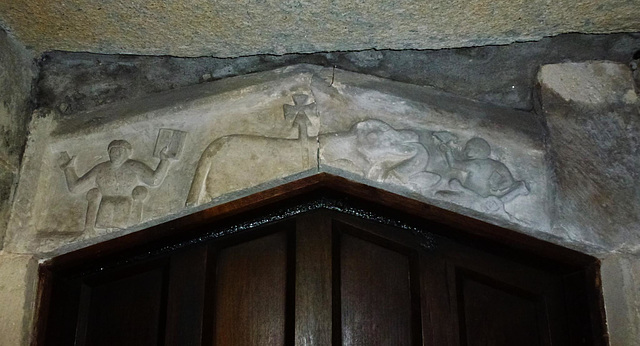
{"x":593,"y":115}
{"x":502,"y":75}
{"x":231,"y":28}
{"x":18,"y":286}
{"x":621,"y":285}
{"x":575,"y":181}
{"x":17,"y":77}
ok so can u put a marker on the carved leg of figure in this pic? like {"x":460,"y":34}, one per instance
{"x":491,"y":204}
{"x":114,"y":212}
{"x":377,"y":172}
{"x":93,"y":203}
{"x":456,"y":186}
{"x":139,"y":195}
{"x":520,"y":189}
{"x":450,"y":188}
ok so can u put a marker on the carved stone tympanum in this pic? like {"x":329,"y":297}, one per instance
{"x":258,"y":131}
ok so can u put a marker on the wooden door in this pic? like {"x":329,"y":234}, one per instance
{"x":322,"y":278}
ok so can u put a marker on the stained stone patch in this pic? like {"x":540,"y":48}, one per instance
{"x":17,"y":74}
{"x":593,"y":115}
{"x":74,"y":82}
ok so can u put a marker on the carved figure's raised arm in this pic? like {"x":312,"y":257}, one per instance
{"x":76,"y":184}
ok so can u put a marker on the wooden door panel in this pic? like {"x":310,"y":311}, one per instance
{"x":320,"y":278}
{"x":186,"y":295}
{"x":437,"y":309}
{"x":128,"y":310}
{"x":313,"y":294}
{"x":375,"y":292}
{"x":492,"y":313}
{"x":250,"y":292}
{"x":497,"y":300}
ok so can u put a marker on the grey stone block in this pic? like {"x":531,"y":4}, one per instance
{"x":621,"y":290}
{"x":18,"y":284}
{"x":592,"y":112}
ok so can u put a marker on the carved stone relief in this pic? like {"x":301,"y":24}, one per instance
{"x":259,"y":131}
{"x":302,"y":114}
{"x":430,"y":164}
{"x":116,"y":190}
{"x":216,"y":172}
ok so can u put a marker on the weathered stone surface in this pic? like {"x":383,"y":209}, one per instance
{"x":635,"y":67}
{"x":117,"y":167}
{"x":18,"y":284}
{"x":621,"y":290}
{"x":418,"y":142}
{"x":592,"y":111}
{"x":238,"y":28}
{"x":206,"y":144}
{"x":104,"y":173}
{"x":233,"y":137}
{"x":75,"y":82}
{"x":17,"y":74}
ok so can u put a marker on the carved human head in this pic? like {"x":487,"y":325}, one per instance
{"x":119,"y":151}
{"x":477,"y":148}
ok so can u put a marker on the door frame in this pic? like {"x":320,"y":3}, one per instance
{"x":450,"y":224}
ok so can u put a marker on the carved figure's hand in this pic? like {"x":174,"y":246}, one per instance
{"x":445,"y":137}
{"x":65,"y":161}
{"x":444,"y":148}
{"x":164,"y":154}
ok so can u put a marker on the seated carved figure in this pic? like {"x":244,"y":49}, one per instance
{"x":115,"y":188}
{"x":476,"y":172}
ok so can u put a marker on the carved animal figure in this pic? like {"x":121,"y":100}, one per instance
{"x":372,"y":147}
{"x":217,"y":171}
{"x":383,"y":154}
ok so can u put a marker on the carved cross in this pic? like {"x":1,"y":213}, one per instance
{"x":297,"y":113}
